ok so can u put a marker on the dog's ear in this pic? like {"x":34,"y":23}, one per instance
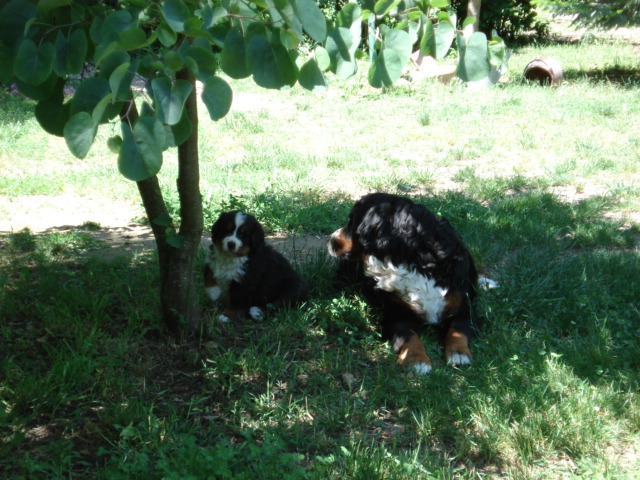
{"x":257,"y":234}
{"x":215,"y":228}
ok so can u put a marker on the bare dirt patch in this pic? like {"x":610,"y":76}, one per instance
{"x":112,"y":226}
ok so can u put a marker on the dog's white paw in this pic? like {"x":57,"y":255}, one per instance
{"x":214,"y":293}
{"x":421,"y":368}
{"x":256,"y":313}
{"x":458,"y":359}
{"x":223,"y":319}
{"x":486,"y":283}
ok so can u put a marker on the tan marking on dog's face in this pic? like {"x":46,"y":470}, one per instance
{"x":412,"y":352}
{"x":339,"y":244}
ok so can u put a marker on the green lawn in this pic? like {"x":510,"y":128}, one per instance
{"x":543,"y":186}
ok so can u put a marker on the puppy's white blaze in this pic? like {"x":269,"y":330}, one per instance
{"x":223,"y":318}
{"x":239,"y":220}
{"x":214,"y":292}
{"x":420,"y":292}
{"x":256,"y":314}
{"x":458,"y":359}
{"x":422,"y":368}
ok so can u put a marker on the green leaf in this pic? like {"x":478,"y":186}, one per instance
{"x":104,"y":50}
{"x":389,"y":63}
{"x":13,"y":17}
{"x":180,"y":132}
{"x":163,"y":220}
{"x":350,"y":16}
{"x":202,"y":62}
{"x":104,"y":110}
{"x":112,"y":62}
{"x":233,"y":57}
{"x":120,"y":81}
{"x":46,"y":5}
{"x":34,"y":63}
{"x":39,"y":92}
{"x":88,"y":94}
{"x":312,"y":78}
{"x":140,"y":154}
{"x":173,"y":60}
{"x":114,"y":24}
{"x":468,"y":21}
{"x":132,"y":39}
{"x":70,"y":53}
{"x":382,"y":7}
{"x":193,"y":27}
{"x":52,"y":114}
{"x":114,"y":144}
{"x":312,"y":19}
{"x":170,"y":99}
{"x":79,"y":134}
{"x":474,"y":58}
{"x":322,"y":58}
{"x":217,"y":96}
{"x":176,"y":241}
{"x":339,"y":46}
{"x":445,"y":33}
{"x":497,"y":51}
{"x":288,"y":38}
{"x":440,"y":3}
{"x":428,"y":40}
{"x":271,"y":65}
{"x":176,"y":14}
{"x":166,"y":36}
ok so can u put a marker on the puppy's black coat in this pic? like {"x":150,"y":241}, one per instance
{"x":247,"y":272}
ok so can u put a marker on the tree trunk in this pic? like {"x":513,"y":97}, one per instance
{"x":473,"y":10}
{"x":178,"y":296}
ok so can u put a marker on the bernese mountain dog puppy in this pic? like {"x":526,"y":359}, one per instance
{"x":415,"y":268}
{"x":246,"y":272}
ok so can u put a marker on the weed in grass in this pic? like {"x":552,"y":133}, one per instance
{"x":424,"y":118}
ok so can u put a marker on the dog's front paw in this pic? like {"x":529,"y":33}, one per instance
{"x":457,"y":359}
{"x":256,"y":313}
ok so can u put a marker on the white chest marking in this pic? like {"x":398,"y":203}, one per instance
{"x":420,"y":292}
{"x":226,"y":268}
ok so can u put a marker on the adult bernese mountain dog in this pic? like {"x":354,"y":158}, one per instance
{"x":414,"y":266}
{"x":246,"y":272}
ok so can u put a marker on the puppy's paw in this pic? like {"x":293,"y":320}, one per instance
{"x":256,"y":313}
{"x":223,"y":319}
{"x":214,"y":293}
{"x":421,"y":368}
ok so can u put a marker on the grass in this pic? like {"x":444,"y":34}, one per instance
{"x":542,"y":184}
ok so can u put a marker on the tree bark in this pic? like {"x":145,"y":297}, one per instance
{"x":473,"y":10}
{"x":180,"y":309}
{"x":178,"y":297}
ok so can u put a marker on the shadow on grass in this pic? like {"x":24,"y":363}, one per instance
{"x":89,"y":385}
{"x":625,"y":77}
